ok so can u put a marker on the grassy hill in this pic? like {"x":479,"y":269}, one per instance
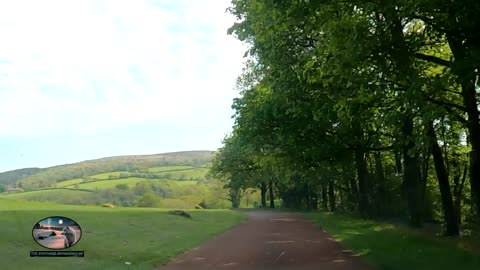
{"x":35,"y":178}
{"x":171,"y":180}
{"x":11,"y":177}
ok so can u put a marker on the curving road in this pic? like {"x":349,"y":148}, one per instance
{"x":270,"y":240}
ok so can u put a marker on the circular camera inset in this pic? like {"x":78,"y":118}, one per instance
{"x":56,"y":232}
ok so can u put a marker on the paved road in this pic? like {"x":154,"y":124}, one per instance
{"x":270,"y":240}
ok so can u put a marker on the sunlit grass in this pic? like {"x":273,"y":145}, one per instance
{"x":397,"y":247}
{"x":49,"y":193}
{"x":145,"y":237}
{"x":105,"y":176}
{"x":131,"y":182}
{"x":69,"y":183}
{"x":169,"y":168}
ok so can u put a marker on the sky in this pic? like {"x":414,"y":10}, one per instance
{"x":88,"y":79}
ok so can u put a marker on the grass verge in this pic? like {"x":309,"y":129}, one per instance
{"x":395,"y":247}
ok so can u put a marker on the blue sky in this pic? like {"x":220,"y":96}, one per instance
{"x":88,"y":79}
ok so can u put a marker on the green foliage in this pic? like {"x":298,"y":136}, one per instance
{"x":203,"y":204}
{"x":11,"y":177}
{"x":337,"y":103}
{"x":149,"y":199}
{"x":122,"y":186}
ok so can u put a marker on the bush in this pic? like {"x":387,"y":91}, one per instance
{"x":203,"y":204}
{"x":109,"y":205}
{"x":149,"y":199}
{"x":122,"y":186}
{"x":180,"y":213}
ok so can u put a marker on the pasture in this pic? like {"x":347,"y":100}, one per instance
{"x":145,"y":237}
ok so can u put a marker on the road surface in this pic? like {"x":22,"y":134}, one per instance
{"x":270,"y":240}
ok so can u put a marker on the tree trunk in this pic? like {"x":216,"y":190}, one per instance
{"x":263,"y":194}
{"x":443,"y":183}
{"x":314,"y":200}
{"x":270,"y":191}
{"x":411,"y":176}
{"x":401,"y":58}
{"x":362,"y":182}
{"x":466,"y":78}
{"x":474,"y":130}
{"x":381,"y":187}
{"x":236,"y":195}
{"x":341,"y":195}
{"x":398,"y":161}
{"x":331,"y":195}
{"x":353,"y":194}
{"x":459,"y":179}
{"x":324,"y":195}
{"x":307,"y":204}
{"x":427,"y":209}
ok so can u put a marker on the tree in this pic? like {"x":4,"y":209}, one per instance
{"x":149,"y":199}
{"x":354,"y":99}
{"x":3,"y":188}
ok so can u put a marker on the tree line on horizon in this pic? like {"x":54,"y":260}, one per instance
{"x":366,"y":107}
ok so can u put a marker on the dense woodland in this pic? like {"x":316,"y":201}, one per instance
{"x":365,"y":107}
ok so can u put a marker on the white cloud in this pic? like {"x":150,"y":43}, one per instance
{"x":89,"y":65}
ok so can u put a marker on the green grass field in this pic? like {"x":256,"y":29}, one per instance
{"x":145,"y":237}
{"x":131,"y":182}
{"x":394,"y":247}
{"x":188,"y":174}
{"x":39,"y":194}
{"x":104,"y":176}
{"x":169,"y":168}
{"x":69,"y":183}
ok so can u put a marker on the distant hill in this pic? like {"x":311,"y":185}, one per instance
{"x":34,"y":178}
{"x":10,"y":177}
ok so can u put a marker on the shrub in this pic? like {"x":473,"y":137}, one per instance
{"x":122,"y":186}
{"x":203,"y":204}
{"x":180,"y":213}
{"x":149,"y":199}
{"x":124,"y":175}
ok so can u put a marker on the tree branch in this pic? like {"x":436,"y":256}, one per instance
{"x":451,"y":91}
{"x":433,"y":59}
{"x":443,"y":103}
{"x":378,"y":149}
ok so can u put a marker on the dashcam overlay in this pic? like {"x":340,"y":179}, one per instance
{"x":57,"y":233}
{"x":41,"y":253}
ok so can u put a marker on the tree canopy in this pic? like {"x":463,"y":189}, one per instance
{"x":370,"y":107}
